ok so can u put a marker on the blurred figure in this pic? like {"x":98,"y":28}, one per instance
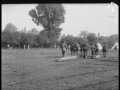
{"x":77,"y":48}
{"x":74,"y":48}
{"x":84,"y":49}
{"x":63,"y":48}
{"x":93,"y":48}
{"x":96,"y":49}
{"x":104,"y":50}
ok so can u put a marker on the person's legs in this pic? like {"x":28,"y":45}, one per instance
{"x":86,"y":53}
{"x":81,"y":53}
{"x":71,"y":52}
{"x":63,"y":53}
{"x":92,"y":53}
{"x":74,"y":52}
{"x":104,"y":53}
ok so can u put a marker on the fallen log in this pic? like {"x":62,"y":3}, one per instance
{"x":67,"y":58}
{"x":97,"y":56}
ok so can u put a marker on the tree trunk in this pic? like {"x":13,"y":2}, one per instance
{"x":19,"y":45}
{"x":28,"y":46}
{"x":42,"y":45}
{"x":24,"y":46}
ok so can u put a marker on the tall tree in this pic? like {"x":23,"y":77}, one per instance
{"x":69,"y":39}
{"x":112,"y":39}
{"x":50,"y":17}
{"x":10,"y":27}
{"x":92,"y":38}
{"x":42,"y":38}
{"x":81,"y":40}
{"x":103,"y":39}
{"x":16,"y":37}
{"x":6,"y":38}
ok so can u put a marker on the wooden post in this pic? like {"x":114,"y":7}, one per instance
{"x":8,"y":46}
{"x":28,"y":46}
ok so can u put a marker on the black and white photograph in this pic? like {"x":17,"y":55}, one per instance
{"x":60,"y":46}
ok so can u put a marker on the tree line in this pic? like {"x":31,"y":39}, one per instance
{"x":39,"y":39}
{"x":17,"y":39}
{"x":90,"y":38}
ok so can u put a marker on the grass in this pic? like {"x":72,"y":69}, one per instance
{"x":36,"y":69}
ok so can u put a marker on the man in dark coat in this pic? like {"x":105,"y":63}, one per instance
{"x":104,"y":50}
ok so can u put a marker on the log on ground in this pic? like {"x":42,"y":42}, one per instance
{"x":67,"y":58}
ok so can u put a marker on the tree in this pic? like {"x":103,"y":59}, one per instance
{"x":23,"y":40}
{"x":42,"y":38}
{"x":6,"y":38}
{"x":10,"y":28}
{"x":103,"y":39}
{"x":112,"y":39}
{"x":53,"y":35}
{"x":16,"y":37}
{"x":92,"y":38}
{"x":36,"y":41}
{"x":27,"y":39}
{"x":24,"y":30}
{"x":30,"y":39}
{"x":34,"y":31}
{"x":50,"y":17}
{"x":81,"y":40}
{"x":10,"y":34}
{"x":70,"y":40}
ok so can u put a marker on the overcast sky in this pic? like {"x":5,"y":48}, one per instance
{"x":95,"y":18}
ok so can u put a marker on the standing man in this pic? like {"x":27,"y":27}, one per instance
{"x":63,"y":48}
{"x":76,"y":48}
{"x":93,"y":50}
{"x":104,"y":49}
{"x":96,"y":49}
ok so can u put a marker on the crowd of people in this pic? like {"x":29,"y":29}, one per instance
{"x":83,"y":48}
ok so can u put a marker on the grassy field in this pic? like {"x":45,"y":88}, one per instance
{"x":37,"y":69}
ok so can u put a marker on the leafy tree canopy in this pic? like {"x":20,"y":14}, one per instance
{"x":92,"y":38}
{"x":48,"y":15}
{"x":10,"y":27}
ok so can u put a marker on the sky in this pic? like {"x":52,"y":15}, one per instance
{"x":94,"y":18}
